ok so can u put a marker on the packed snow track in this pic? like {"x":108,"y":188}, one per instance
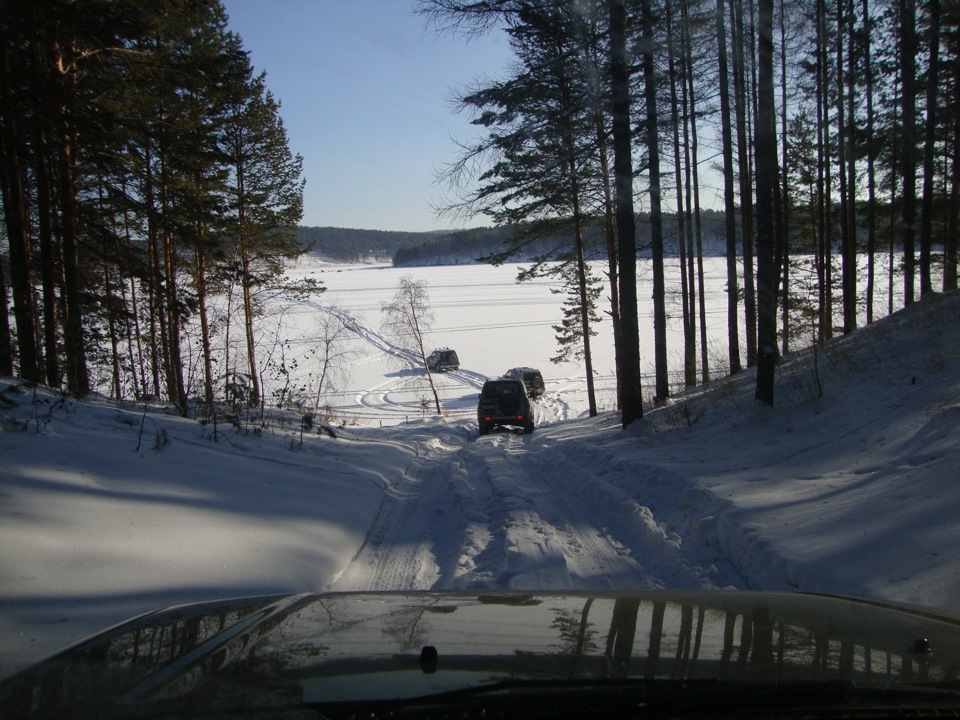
{"x":514,"y":511}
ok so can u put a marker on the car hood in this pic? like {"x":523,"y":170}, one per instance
{"x":349,"y":650}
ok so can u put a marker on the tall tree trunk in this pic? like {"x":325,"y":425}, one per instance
{"x":78,"y":382}
{"x":656,"y":217}
{"x":114,"y":330}
{"x":49,"y":262}
{"x":824,"y":163}
{"x":929,"y":143}
{"x":578,"y":222}
{"x":246,"y":284}
{"x":156,"y":296}
{"x":6,"y":342}
{"x":871,"y":159}
{"x":766,"y":180}
{"x":49,"y":254}
{"x":783,"y":233}
{"x":632,"y":407}
{"x":891,"y":217}
{"x":201,"y":260}
{"x":908,"y":67}
{"x":132,"y":319}
{"x":953,"y":218}
{"x":687,"y":302}
{"x":693,"y":163}
{"x":16,"y":212}
{"x":733,"y":333}
{"x":246,"y":279}
{"x":823,"y":159}
{"x":229,"y":363}
{"x":584,"y":311}
{"x":610,"y":237}
{"x":850,"y":271}
{"x":745,"y":174}
{"x":842,"y":151}
{"x":21,"y":270}
{"x":175,"y":386}
{"x":846,"y":191}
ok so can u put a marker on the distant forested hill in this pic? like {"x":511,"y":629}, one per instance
{"x":348,"y":245}
{"x":457,"y":247}
{"x":402,"y":248}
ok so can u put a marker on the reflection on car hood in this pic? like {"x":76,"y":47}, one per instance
{"x":284,"y":652}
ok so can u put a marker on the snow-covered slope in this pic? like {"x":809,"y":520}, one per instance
{"x":848,"y":485}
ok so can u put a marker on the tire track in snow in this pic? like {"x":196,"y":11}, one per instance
{"x":507,"y":511}
{"x":378,"y":399}
{"x":514,"y":511}
{"x":552,"y":407}
{"x":411,"y":537}
{"x":665,"y":528}
{"x":616,"y":541}
{"x":545,"y":533}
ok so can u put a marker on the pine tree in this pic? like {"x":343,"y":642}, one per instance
{"x":629,"y":352}
{"x":908,"y":68}
{"x":114,"y":186}
{"x":14,"y":155}
{"x":570,"y":332}
{"x":766,"y":182}
{"x":652,"y":137}
{"x":733,"y":333}
{"x":929,"y":146}
{"x":265,"y":200}
{"x":545,"y":172}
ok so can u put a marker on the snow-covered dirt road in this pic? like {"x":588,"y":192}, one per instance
{"x":518,"y":511}
{"x":507,"y":510}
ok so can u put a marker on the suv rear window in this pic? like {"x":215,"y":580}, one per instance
{"x":494,"y":389}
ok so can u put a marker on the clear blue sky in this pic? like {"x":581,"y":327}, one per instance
{"x":364,"y":87}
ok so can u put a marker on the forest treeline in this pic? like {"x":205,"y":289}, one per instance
{"x":146,"y":177}
{"x":357,"y":245}
{"x":150,"y":198}
{"x":458,"y":247}
{"x":404,"y":249}
{"x":827,"y":133}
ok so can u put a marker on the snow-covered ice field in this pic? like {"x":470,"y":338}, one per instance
{"x":848,"y":485}
{"x":493,"y":322}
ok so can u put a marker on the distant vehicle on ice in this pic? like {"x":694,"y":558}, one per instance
{"x":443,"y":359}
{"x":531,"y":377}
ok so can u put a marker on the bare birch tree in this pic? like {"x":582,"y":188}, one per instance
{"x":407,"y":319}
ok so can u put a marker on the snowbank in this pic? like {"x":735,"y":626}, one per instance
{"x":847,"y":486}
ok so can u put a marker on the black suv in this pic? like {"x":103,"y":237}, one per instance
{"x":504,"y":402}
{"x":443,"y":359}
{"x":531,"y":377}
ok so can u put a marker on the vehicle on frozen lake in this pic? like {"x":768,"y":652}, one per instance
{"x":531,"y":377}
{"x":443,"y":359}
